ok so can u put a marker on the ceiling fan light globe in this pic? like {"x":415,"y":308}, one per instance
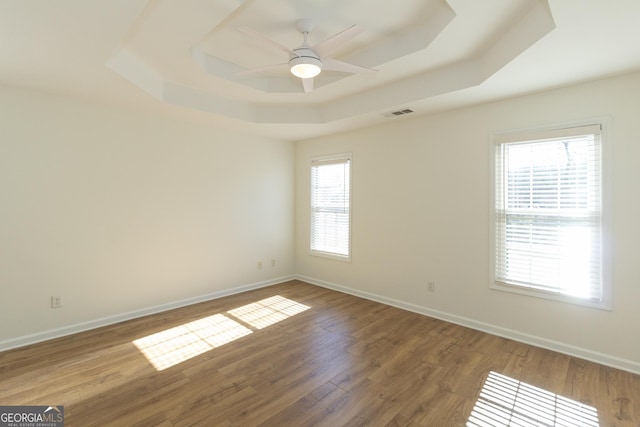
{"x":305,"y":71}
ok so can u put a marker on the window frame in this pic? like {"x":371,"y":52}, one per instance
{"x":326,"y":254}
{"x":540,"y":133}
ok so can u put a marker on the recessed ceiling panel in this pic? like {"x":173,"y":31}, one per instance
{"x":194,"y":54}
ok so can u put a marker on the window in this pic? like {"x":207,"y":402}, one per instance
{"x":548,"y":215}
{"x":331,"y":207}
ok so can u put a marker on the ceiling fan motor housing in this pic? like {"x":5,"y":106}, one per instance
{"x":305,"y":63}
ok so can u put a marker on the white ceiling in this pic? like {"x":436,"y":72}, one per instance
{"x":181,"y":57}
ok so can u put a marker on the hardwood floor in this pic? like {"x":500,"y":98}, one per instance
{"x":299,"y":355}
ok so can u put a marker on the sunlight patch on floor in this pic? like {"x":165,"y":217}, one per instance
{"x":507,"y":402}
{"x":268,"y":311}
{"x":172,"y":346}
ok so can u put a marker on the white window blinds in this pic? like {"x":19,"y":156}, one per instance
{"x":331,"y":206}
{"x":548,"y":230}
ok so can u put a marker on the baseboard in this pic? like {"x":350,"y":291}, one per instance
{"x":593,"y":356}
{"x":110,"y":320}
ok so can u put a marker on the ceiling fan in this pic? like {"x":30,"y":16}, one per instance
{"x":306,"y":61}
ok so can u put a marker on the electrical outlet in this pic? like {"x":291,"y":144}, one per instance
{"x":431,"y":286}
{"x":56,"y":302}
{"x":259,"y":265}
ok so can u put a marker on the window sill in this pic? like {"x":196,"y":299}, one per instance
{"x":330,"y":255}
{"x":604,"y":304}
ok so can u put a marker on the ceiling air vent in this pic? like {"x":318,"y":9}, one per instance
{"x":398,"y":113}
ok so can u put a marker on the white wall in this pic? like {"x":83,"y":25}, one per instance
{"x":120,"y":212}
{"x":421,"y":202}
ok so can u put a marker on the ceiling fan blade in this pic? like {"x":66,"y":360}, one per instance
{"x":325,"y":48}
{"x":307,"y":84}
{"x":274,"y":67}
{"x":253,"y":33}
{"x":335,"y":65}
